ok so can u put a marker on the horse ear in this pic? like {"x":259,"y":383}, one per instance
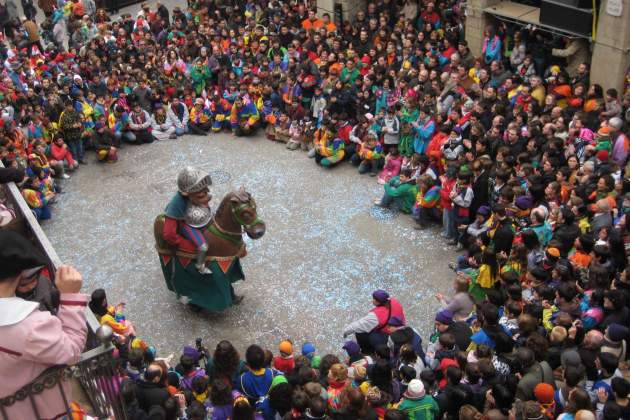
{"x":241,"y":189}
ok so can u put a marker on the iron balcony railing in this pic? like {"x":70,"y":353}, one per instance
{"x":95,"y":371}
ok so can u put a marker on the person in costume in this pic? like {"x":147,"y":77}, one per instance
{"x":118,"y":122}
{"x":328,"y":150}
{"x":220,"y":109}
{"x":373,"y":329}
{"x":36,"y":199}
{"x":427,"y":206}
{"x":244,"y":117}
{"x":370,"y":152}
{"x":189,"y":208}
{"x":199,"y":123}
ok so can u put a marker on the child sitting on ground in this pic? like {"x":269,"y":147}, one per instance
{"x":295,"y":135}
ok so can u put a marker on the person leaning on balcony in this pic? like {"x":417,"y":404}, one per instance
{"x":32,"y":340}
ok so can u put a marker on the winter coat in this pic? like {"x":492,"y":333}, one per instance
{"x":32,"y":341}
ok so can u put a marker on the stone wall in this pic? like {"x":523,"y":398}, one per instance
{"x":611,"y":55}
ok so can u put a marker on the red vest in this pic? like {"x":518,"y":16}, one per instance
{"x":385,"y":312}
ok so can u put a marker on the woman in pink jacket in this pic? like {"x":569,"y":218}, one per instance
{"x":32,"y":340}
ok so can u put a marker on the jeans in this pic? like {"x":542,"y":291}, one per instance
{"x":425,"y":216}
{"x":462,"y":262}
{"x":181,"y":131}
{"x":127,"y":136}
{"x":448,"y":221}
{"x":42,"y":213}
{"x":388,"y":201}
{"x":368,"y":166}
{"x":76,"y":148}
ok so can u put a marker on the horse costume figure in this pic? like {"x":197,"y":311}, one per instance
{"x":208,"y":286}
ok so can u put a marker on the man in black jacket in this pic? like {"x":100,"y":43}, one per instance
{"x":503,"y":230}
{"x":150,"y":391}
{"x":480,"y":188}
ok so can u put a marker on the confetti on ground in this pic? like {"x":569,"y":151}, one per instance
{"x":327,"y":247}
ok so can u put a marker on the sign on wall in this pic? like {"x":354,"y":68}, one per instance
{"x":614,"y":7}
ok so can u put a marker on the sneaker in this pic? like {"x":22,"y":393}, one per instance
{"x":65,"y":176}
{"x":172,"y":136}
{"x":377,"y":202}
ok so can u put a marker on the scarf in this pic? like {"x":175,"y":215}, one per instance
{"x":138,"y":118}
{"x":160,"y":118}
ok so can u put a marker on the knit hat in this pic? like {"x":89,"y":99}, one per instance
{"x":603,"y":132}
{"x":616,"y":123}
{"x":602,"y":155}
{"x":192,"y":352}
{"x":308,"y":349}
{"x":415,"y":390}
{"x":617,"y":332}
{"x":544,"y":393}
{"x":484,"y":211}
{"x":277,"y":380}
{"x":553,"y":252}
{"x":524,"y":202}
{"x":444,"y":317}
{"x":286,"y":347}
{"x":17,"y":254}
{"x":381,"y":296}
{"x":352,"y":348}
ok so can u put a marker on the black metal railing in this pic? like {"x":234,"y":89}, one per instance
{"x":95,"y":371}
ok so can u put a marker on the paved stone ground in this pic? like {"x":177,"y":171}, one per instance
{"x":326,"y":247}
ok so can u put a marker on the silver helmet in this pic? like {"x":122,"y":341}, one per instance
{"x":192,"y":180}
{"x":198,"y":216}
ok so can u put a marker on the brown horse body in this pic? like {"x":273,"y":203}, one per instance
{"x":235,"y":215}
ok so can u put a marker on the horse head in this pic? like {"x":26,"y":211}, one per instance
{"x":242,"y":211}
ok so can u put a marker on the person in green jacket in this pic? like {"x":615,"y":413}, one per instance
{"x":417,"y":404}
{"x":400,"y":191}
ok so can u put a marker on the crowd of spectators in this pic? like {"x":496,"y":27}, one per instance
{"x":514,"y":153}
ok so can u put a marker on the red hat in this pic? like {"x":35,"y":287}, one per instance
{"x":544,"y":393}
{"x":602,"y":155}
